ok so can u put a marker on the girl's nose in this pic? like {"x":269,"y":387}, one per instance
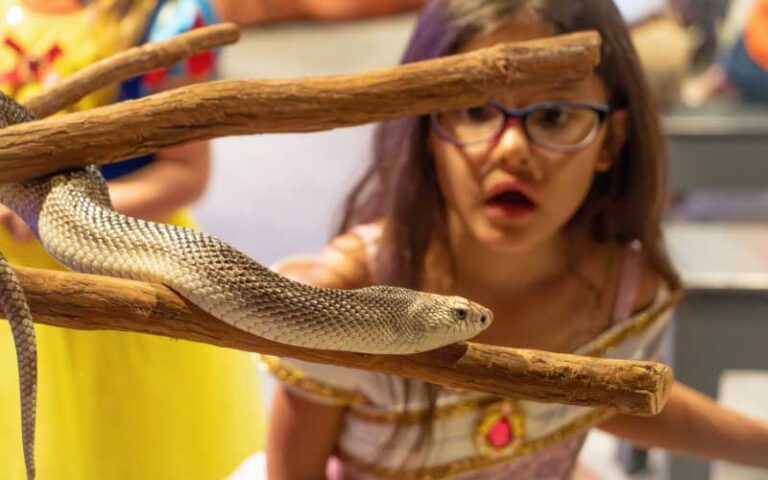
{"x":515,"y":153}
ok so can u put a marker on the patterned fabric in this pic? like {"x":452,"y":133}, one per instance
{"x":39,"y":49}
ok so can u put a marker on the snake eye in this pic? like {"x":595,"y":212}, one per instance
{"x":460,"y":314}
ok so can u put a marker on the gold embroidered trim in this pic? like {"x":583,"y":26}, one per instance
{"x":472,"y":464}
{"x":296,"y":378}
{"x":412,"y":417}
{"x":633,"y":327}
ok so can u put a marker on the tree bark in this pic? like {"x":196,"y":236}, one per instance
{"x":80,"y":301}
{"x":237,"y":107}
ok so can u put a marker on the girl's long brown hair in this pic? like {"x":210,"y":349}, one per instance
{"x":400,"y":185}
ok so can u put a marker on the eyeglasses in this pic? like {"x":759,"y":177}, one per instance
{"x":557,"y":126}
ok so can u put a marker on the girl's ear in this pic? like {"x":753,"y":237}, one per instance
{"x":614,"y":141}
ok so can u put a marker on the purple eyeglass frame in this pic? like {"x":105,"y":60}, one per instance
{"x":514,"y":116}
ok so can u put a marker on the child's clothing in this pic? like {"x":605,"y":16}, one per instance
{"x":756,"y":34}
{"x":476,"y":435}
{"x":115,"y":405}
{"x":746,"y":63}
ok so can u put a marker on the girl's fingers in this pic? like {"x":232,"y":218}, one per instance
{"x":17,"y":227}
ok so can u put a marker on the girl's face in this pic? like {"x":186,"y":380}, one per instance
{"x":509,"y":193}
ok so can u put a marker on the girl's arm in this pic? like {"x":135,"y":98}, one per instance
{"x":694,"y":424}
{"x":177,"y":178}
{"x":302,"y":433}
{"x":302,"y":436}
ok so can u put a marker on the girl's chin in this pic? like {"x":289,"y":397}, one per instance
{"x":507,"y":240}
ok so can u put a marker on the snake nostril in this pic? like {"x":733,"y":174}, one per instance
{"x":482,"y":319}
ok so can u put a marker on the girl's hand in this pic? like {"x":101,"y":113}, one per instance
{"x":16,"y":227}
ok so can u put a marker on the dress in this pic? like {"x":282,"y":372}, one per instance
{"x":114,"y":405}
{"x":476,"y":435}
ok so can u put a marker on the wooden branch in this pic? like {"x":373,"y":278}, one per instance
{"x":129,"y":63}
{"x":94,"y":302}
{"x":237,"y":107}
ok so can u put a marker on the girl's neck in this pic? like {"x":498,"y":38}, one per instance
{"x":54,"y":6}
{"x":501,"y":273}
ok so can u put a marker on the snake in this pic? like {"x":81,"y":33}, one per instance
{"x":72,"y":216}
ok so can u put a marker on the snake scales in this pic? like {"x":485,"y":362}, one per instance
{"x":72,"y":215}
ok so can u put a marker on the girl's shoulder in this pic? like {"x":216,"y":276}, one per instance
{"x":343,"y":263}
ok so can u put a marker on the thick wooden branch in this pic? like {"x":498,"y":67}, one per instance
{"x":94,"y":302}
{"x":130,"y":63}
{"x":237,"y":107}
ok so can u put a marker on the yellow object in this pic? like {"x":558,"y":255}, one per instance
{"x":113,"y":405}
{"x":38,"y":49}
{"x":116,"y":405}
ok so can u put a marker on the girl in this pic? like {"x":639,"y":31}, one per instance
{"x":543,"y":205}
{"x":114,"y":405}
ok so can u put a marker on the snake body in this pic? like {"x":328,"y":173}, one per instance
{"x":72,"y":215}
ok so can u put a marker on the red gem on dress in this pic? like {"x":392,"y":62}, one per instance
{"x":500,"y":434}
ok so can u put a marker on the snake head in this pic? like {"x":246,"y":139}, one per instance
{"x":448,"y":319}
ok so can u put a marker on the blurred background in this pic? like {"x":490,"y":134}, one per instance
{"x":275,"y":195}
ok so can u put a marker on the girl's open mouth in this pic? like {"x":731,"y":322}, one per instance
{"x":510,"y":204}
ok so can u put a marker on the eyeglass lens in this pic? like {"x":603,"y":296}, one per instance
{"x":560,"y":126}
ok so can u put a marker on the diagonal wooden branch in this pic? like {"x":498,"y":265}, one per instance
{"x":216,"y":109}
{"x":130,"y":63}
{"x":93,"y":302}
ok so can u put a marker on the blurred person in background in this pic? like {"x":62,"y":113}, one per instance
{"x":116,"y":405}
{"x":663,"y":43}
{"x":742,"y":69}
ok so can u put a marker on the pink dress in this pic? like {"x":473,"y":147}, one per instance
{"x":475,"y":436}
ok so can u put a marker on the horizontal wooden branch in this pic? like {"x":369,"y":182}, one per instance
{"x":128,"y":64}
{"x":93,"y":302}
{"x":237,"y":107}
